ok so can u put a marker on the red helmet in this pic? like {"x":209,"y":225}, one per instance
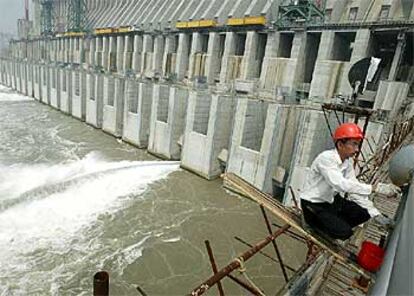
{"x":348,"y":131}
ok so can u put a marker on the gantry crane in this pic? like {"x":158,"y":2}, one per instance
{"x":301,"y":12}
{"x":46,"y":17}
{"x":76,"y":15}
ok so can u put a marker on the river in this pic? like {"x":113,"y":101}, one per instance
{"x":74,"y":201}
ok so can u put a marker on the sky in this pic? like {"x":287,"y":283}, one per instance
{"x":10,"y":11}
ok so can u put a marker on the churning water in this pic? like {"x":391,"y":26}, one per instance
{"x":74,"y":201}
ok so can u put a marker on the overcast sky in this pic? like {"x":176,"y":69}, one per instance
{"x":10,"y":11}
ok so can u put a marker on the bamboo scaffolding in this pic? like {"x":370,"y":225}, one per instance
{"x":237,"y":184}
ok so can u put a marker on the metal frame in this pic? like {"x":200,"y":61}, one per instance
{"x":301,"y":13}
{"x":76,"y":15}
{"x":46,"y":17}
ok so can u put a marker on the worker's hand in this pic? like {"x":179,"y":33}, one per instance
{"x":389,"y":190}
{"x":384,"y":221}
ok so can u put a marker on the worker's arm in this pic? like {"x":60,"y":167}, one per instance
{"x":362,"y":200}
{"x":329,"y":169}
{"x":366,"y":203}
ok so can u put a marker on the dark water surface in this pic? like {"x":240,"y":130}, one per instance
{"x":74,"y":200}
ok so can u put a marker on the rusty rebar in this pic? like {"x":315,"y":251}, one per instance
{"x":213,"y":266}
{"x":279,"y":256}
{"x":263,"y":253}
{"x":233,"y":265}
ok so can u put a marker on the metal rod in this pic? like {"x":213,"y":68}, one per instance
{"x":293,"y":197}
{"x":263,"y":253}
{"x":101,"y":284}
{"x":213,"y":266}
{"x":233,"y":265}
{"x":327,"y":122}
{"x":279,"y":256}
{"x":139,"y":289}
{"x":245,"y":285}
{"x":337,"y":117}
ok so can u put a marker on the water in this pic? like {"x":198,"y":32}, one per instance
{"x":74,"y":200}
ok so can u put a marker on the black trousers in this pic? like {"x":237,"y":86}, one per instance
{"x":336,"y":219}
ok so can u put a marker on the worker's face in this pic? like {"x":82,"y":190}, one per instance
{"x":348,"y":148}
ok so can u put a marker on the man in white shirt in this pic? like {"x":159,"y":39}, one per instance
{"x":333,"y":200}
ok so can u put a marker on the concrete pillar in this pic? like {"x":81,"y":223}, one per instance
{"x":362,"y":45}
{"x":167,"y":121}
{"x":66,"y":91}
{"x":208,"y":129}
{"x":105,"y":53}
{"x":136,"y":55}
{"x":397,"y":56}
{"x":59,"y":50}
{"x":98,"y":51}
{"x":182,"y":56}
{"x":127,"y":61}
{"x":72,"y":48}
{"x":147,"y":51}
{"x":195,"y":48}
{"x":138,"y":99}
{"x":29,"y":50}
{"x":65,"y":50}
{"x":170,"y":46}
{"x":249,"y":58}
{"x":213,"y":57}
{"x":271,"y":53}
{"x":277,"y":125}
{"x":78,"y":94}
{"x":94,"y":99}
{"x":120,"y":48}
{"x":55,"y":50}
{"x":54,"y":87}
{"x":229,"y":49}
{"x":50,"y":50}
{"x":113,"y":108}
{"x":326,"y":72}
{"x":361,"y":49}
{"x":326,"y":45}
{"x":159,"y":44}
{"x":92,"y":51}
{"x":39,"y":50}
{"x":295,"y":70}
{"x":83,"y":48}
{"x":36,"y":50}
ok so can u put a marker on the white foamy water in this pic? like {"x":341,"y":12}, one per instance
{"x":70,"y":199}
{"x":6,"y":95}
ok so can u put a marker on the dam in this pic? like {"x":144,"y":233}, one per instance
{"x":250,"y":88}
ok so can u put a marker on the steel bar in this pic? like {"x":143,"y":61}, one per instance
{"x":263,"y":253}
{"x":248,"y":287}
{"x":327,"y":122}
{"x":337,"y":117}
{"x":139,"y":289}
{"x":214,"y":266}
{"x":294,"y":197}
{"x":201,"y":289}
{"x":279,"y":256}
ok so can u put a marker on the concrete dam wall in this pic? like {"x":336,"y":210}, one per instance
{"x":222,"y":85}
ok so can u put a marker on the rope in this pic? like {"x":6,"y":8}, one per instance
{"x":242,"y":270}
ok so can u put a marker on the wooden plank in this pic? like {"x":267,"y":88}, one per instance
{"x":234,"y":182}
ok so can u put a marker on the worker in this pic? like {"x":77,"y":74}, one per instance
{"x":333,"y":200}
